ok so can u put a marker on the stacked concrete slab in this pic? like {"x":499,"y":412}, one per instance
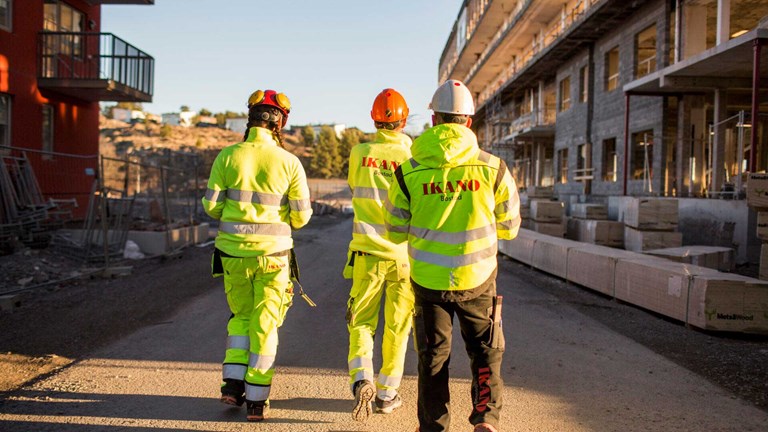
{"x":651,"y":223}
{"x":699,"y":296}
{"x":589,"y":224}
{"x":757,"y":198}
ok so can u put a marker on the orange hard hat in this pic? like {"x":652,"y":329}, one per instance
{"x":389,"y":106}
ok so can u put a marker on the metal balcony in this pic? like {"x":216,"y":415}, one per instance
{"x":94,"y":67}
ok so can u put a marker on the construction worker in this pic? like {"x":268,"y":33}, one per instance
{"x":377,"y":267}
{"x":451,"y":203}
{"x":258,"y":191}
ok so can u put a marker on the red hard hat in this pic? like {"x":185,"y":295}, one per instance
{"x":271,"y":98}
{"x":389,"y":106}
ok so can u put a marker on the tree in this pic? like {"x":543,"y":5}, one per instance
{"x":204,"y":112}
{"x":308,"y":136}
{"x":185,"y":108}
{"x":326,"y":161}
{"x":349,"y":138}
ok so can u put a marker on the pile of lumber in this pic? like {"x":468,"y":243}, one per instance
{"x":589,"y":224}
{"x":651,"y":223}
{"x":698,"y":296}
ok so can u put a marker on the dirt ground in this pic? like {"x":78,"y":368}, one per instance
{"x":55,"y":324}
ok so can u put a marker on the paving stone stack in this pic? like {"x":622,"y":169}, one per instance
{"x":651,"y":223}
{"x":589,"y":224}
{"x":714,"y":257}
{"x":762,"y":232}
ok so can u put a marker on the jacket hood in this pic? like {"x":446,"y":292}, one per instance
{"x":392,"y":137}
{"x":445,"y":145}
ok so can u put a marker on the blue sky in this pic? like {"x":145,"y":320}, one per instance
{"x":330,"y":57}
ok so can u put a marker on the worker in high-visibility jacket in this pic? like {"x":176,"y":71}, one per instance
{"x":258,"y":191}
{"x":451,"y":203}
{"x":378,"y":268}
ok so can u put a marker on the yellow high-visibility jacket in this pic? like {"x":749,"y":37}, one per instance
{"x":258,"y":191}
{"x":452,"y":202}
{"x":371,"y":171}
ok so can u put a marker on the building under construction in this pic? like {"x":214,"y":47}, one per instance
{"x":603,"y":99}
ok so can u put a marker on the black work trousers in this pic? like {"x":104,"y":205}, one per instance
{"x":484,"y":342}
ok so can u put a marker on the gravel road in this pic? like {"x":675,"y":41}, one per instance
{"x":143,"y":353}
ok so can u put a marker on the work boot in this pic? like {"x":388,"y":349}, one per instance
{"x":233,"y":392}
{"x":485,"y":427}
{"x":364,"y":393}
{"x":257,"y":411}
{"x":386,"y":407}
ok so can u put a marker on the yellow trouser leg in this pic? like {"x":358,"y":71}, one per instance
{"x":372,"y":277}
{"x":259,"y":293}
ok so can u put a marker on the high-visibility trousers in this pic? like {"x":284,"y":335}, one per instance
{"x":374,"y":278}
{"x":259,"y":292}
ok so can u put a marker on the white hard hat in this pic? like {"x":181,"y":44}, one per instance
{"x":453,"y":97}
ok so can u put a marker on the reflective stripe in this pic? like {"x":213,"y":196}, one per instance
{"x":238,"y":342}
{"x":360,"y":362}
{"x":214,"y":195}
{"x":256,"y":392}
{"x":261,"y":362}
{"x":300,"y":205}
{"x":456,"y":237}
{"x":484,"y":156}
{"x":396,"y":211}
{"x":234,"y":371}
{"x":386,"y":394}
{"x":368,"y":229}
{"x":452,"y":261}
{"x":393,"y":228}
{"x":389,"y":381}
{"x":369,"y":193}
{"x":506,"y":225}
{"x":503,"y":207}
{"x":256,"y":197}
{"x":273,"y":229}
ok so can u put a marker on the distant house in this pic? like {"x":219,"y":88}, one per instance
{"x":206,"y":121}
{"x":236,"y":124}
{"x":183,"y":118}
{"x":127,"y":115}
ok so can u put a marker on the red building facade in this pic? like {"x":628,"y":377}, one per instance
{"x":55,"y":68}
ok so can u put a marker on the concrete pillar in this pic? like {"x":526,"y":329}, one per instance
{"x":723,"y":21}
{"x":698,"y":133}
{"x":694,"y":29}
{"x":683,"y":148}
{"x":540,"y":102}
{"x":718,"y":140}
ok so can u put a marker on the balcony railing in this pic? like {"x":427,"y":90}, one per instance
{"x":534,"y":118}
{"x":94,"y":66}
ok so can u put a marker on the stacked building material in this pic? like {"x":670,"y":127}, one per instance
{"x":548,"y":217}
{"x":589,"y":224}
{"x":651,"y":223}
{"x":698,"y":296}
{"x":757,"y":198}
{"x":714,"y":257}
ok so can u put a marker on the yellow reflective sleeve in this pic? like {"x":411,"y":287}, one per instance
{"x":298,"y":198}
{"x":213,"y":202}
{"x":507,"y":210}
{"x":397,"y":216}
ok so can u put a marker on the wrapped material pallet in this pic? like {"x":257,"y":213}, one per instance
{"x":763,"y":270}
{"x":762,"y":225}
{"x":652,"y":214}
{"x":728,"y":302}
{"x":594,"y":266}
{"x":661,"y":286}
{"x":547,"y":211}
{"x":521,"y":247}
{"x":589,"y":211}
{"x":757,"y":190}
{"x":525,"y":211}
{"x":715,"y":257}
{"x":550,"y":254}
{"x":550,"y":229}
{"x":601,"y":232}
{"x":540,"y":192}
{"x":639,"y":241}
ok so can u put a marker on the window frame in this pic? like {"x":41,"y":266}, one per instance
{"x":48,"y":132}
{"x":7,"y":23}
{"x":612,"y":175}
{"x":611,"y":81}
{"x":652,"y":60}
{"x":584,"y":84}
{"x":5,"y":137}
{"x":564,"y":94}
{"x":562,"y":168}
